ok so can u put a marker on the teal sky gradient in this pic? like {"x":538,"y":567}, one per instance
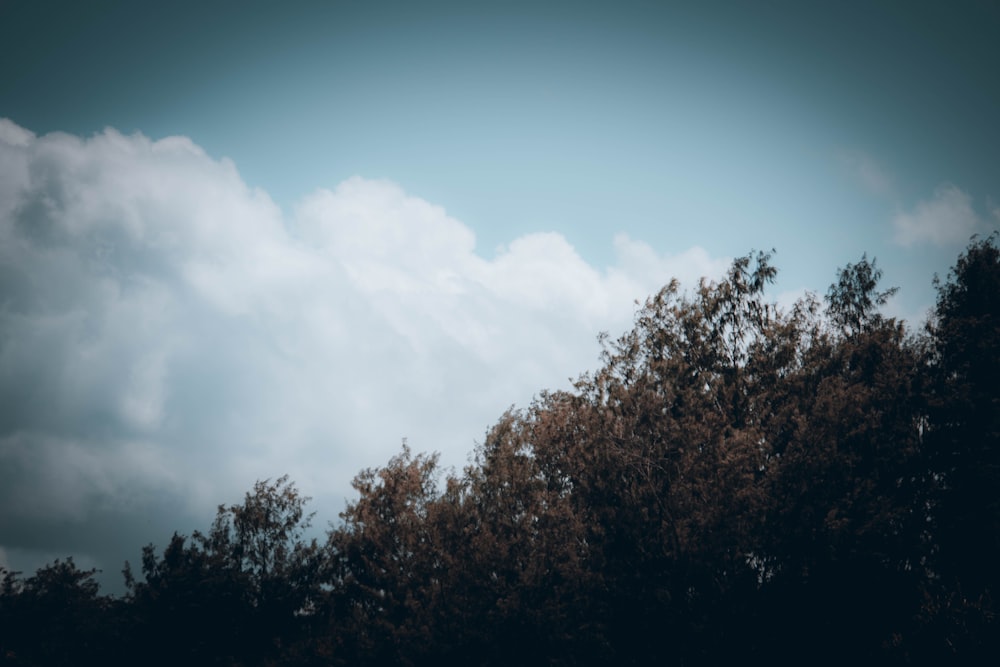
{"x":724,"y":125}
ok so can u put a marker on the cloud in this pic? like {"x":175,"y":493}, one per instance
{"x":13,"y":134}
{"x":868,"y":172}
{"x":168,"y":336}
{"x":947,"y":219}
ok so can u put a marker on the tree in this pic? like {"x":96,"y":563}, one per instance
{"x":660,"y":455}
{"x":524,"y":551}
{"x":264,"y":538}
{"x":845,"y":525}
{"x":731,"y":462}
{"x":963,"y":445}
{"x":482,"y":571}
{"x":853,"y":301}
{"x":54,"y":617}
{"x":238,"y":593}
{"x":387,"y":566}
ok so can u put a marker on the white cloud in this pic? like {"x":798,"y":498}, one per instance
{"x":167,"y":336}
{"x":13,"y":134}
{"x":948,"y":218}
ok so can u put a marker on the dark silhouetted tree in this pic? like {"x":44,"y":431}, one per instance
{"x":963,"y":444}
{"x":55,"y":617}
{"x":238,"y":594}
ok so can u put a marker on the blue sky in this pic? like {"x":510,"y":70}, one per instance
{"x":244,"y":239}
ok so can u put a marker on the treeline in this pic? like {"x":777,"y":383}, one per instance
{"x":736,"y":482}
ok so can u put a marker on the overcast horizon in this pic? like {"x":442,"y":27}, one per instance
{"x":240,"y":244}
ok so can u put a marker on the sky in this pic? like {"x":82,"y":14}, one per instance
{"x":239,"y":240}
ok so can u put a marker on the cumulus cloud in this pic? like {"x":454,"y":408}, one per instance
{"x":168,"y":335}
{"x":947,"y":219}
